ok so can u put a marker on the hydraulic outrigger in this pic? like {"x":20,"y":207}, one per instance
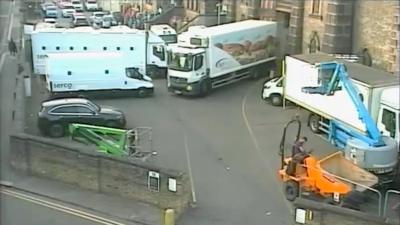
{"x":113,"y":141}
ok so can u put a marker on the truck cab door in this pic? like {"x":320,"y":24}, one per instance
{"x":157,"y":56}
{"x":388,"y":122}
{"x":199,"y":66}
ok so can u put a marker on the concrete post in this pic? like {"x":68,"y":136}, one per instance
{"x":169,"y":217}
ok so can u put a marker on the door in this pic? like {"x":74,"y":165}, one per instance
{"x":388,"y":122}
{"x":199,"y":66}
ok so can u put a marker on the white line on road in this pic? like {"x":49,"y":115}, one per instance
{"x":3,"y":57}
{"x":194,"y":200}
{"x":255,"y":142}
{"x":61,"y":208}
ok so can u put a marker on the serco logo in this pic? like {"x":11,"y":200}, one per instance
{"x":63,"y":85}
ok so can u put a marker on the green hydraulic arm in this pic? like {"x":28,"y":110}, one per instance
{"x":113,"y":141}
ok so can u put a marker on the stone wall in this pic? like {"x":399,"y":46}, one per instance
{"x":85,"y":167}
{"x":376,"y":27}
{"x":313,"y":26}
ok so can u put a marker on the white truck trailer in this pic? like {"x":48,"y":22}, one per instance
{"x":95,"y":72}
{"x":209,"y":57}
{"x":46,"y":38}
{"x":377,"y":90}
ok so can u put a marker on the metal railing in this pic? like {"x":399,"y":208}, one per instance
{"x":395,"y":208}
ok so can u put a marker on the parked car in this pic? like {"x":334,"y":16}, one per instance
{"x":62,"y":3}
{"x":77,"y":5}
{"x":109,"y":20}
{"x":68,"y":10}
{"x":91,"y":5}
{"x":96,"y":18}
{"x":51,"y":12}
{"x":79,"y":19}
{"x":49,"y":20}
{"x":56,"y":114}
{"x":46,"y":4}
{"x":118,"y":17}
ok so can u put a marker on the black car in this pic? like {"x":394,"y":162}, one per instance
{"x":55,"y":115}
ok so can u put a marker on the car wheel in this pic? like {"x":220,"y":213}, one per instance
{"x":142,"y":92}
{"x":204,"y":89}
{"x":313,"y":122}
{"x":291,"y":189}
{"x":276,"y":100}
{"x":56,"y":130}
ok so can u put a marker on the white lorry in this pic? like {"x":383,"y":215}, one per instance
{"x":209,"y":57}
{"x":378,"y":91}
{"x":94,"y":72}
{"x":46,"y":38}
{"x":165,"y":32}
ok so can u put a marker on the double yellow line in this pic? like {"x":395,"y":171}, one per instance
{"x":58,"y":207}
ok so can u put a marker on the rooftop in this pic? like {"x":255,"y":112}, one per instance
{"x":365,"y":74}
{"x":65,"y":101}
{"x":51,"y":28}
{"x":231,"y":27}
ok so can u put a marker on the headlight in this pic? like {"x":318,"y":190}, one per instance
{"x":267,"y":86}
{"x":189,"y":88}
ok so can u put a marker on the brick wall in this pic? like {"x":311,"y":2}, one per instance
{"x":376,"y":27}
{"x":84,"y":167}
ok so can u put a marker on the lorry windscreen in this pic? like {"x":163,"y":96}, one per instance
{"x":169,"y":38}
{"x":180,"y":61}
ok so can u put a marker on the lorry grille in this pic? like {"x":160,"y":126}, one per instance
{"x":178,"y":80}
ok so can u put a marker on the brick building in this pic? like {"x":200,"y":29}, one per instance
{"x":331,"y":26}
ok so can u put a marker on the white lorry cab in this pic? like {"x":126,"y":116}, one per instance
{"x":165,"y":32}
{"x":131,"y":43}
{"x":209,"y":57}
{"x":95,"y":71}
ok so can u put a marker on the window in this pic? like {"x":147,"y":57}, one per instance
{"x":118,"y":48}
{"x":104,"y":48}
{"x":64,"y":109}
{"x":58,"y":48}
{"x":159,"y":52}
{"x":131,"y":48}
{"x":133,"y":72}
{"x":69,"y":73}
{"x":43,"y":47}
{"x":389,"y":121}
{"x":198,"y":63}
{"x":85,"y":48}
{"x":106,"y":71}
{"x":267,"y":4}
{"x":84,"y":110}
{"x":315,"y":7}
{"x":71,"y":48}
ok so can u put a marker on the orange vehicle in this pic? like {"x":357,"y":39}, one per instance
{"x":333,"y":176}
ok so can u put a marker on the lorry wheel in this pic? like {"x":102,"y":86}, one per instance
{"x":56,"y":130}
{"x":204,"y":88}
{"x":276,"y":100}
{"x":291,"y":189}
{"x":313,"y":122}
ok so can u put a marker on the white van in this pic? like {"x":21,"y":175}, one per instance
{"x":95,"y":71}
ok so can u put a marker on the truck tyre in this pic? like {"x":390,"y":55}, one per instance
{"x":56,"y":130}
{"x":276,"y":100}
{"x":291,"y":189}
{"x":313,"y":122}
{"x":204,"y":89}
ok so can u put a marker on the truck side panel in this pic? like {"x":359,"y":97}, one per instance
{"x":338,"y":106}
{"x":132,"y":45}
{"x":241,"y":48}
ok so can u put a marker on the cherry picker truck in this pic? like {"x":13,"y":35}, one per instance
{"x":370,"y":149}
